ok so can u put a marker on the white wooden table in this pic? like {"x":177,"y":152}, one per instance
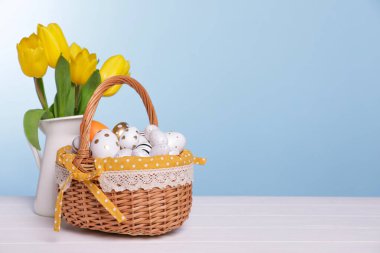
{"x":217,"y":224}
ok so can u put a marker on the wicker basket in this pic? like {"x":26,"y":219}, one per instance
{"x":152,"y":211}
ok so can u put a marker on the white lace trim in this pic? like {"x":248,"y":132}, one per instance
{"x":145,"y":179}
{"x":133,"y":180}
{"x":61,"y":174}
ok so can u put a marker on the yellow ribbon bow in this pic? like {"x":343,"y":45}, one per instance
{"x":85,"y":178}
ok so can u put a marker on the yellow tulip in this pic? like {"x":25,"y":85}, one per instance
{"x":31,"y":56}
{"x":74,"y":50}
{"x":82,"y":67}
{"x":115,"y":65}
{"x":54,"y":43}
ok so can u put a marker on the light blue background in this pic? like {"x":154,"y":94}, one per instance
{"x":282,"y":97}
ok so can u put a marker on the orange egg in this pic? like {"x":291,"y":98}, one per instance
{"x":96,"y":126}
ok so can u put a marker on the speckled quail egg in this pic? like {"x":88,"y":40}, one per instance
{"x":148,"y":130}
{"x":176,"y":141}
{"x":157,"y":137}
{"x":159,"y":150}
{"x":174,"y":151}
{"x":104,"y":144}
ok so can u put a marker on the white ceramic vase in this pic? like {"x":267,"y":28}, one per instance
{"x":59,"y":132}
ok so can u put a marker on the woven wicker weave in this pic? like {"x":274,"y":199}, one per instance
{"x":148,"y":212}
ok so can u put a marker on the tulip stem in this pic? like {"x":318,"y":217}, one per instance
{"x":77,"y":93}
{"x":39,"y":85}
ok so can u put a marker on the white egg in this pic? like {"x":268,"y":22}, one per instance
{"x":148,"y":130}
{"x":104,"y":144}
{"x":75,"y":144}
{"x":130,"y":138}
{"x":157,"y":137}
{"x":140,"y":152}
{"x":174,"y":151}
{"x":124,"y":152}
{"x":144,"y":144}
{"x":159,"y":150}
{"x":134,"y":129}
{"x":176,"y":140}
{"x":142,"y":140}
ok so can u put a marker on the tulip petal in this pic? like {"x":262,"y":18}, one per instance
{"x":115,"y":65}
{"x":31,"y":56}
{"x":50,"y":44}
{"x":112,"y":91}
{"x":83,"y":66}
{"x":87,"y":72}
{"x":74,"y":50}
{"x":56,"y":31}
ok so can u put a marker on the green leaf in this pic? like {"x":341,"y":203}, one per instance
{"x":31,"y":122}
{"x":39,"y":84}
{"x":55,"y":106}
{"x":87,"y":91}
{"x":48,"y":115}
{"x":70,"y":101}
{"x":51,"y":109}
{"x":63,"y":83}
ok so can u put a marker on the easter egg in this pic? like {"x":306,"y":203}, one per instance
{"x":159,"y":150}
{"x":144,"y":144}
{"x":130,"y":138}
{"x":157,"y":137}
{"x":120,"y":128}
{"x":140,"y":152}
{"x":104,"y":144}
{"x":75,"y":144}
{"x":95,"y":127}
{"x":176,"y":141}
{"x":174,"y":151}
{"x":124,"y":152}
{"x":148,"y":130}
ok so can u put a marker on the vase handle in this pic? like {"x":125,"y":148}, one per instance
{"x":37,"y":156}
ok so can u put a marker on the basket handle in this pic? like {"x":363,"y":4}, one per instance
{"x":84,"y":148}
